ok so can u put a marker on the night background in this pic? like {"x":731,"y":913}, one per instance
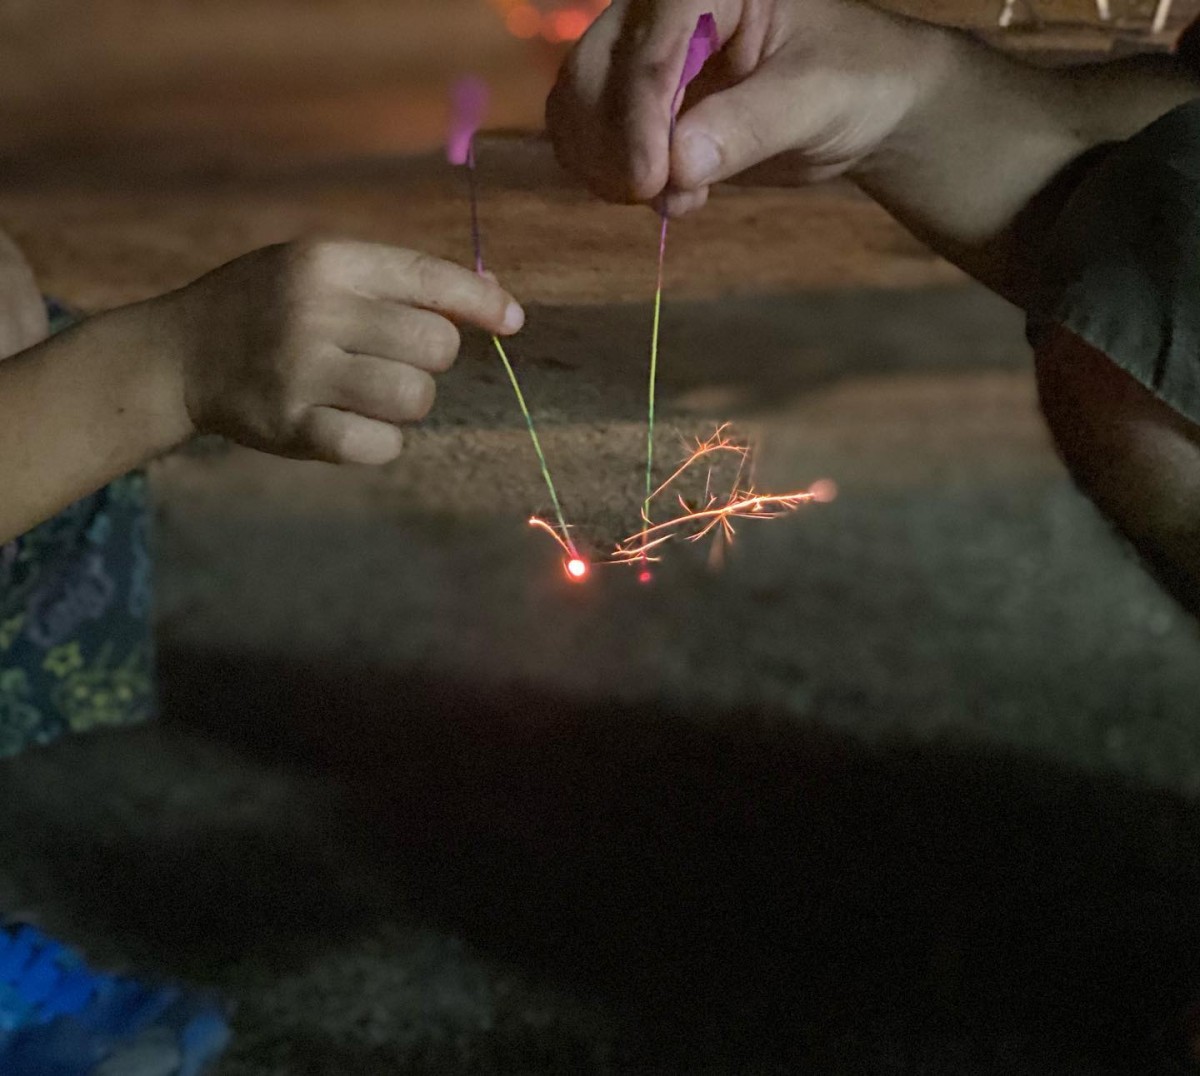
{"x":910,"y":786}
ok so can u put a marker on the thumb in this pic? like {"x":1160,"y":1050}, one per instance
{"x":736,"y":129}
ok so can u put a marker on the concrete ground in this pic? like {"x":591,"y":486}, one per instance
{"x":909,"y":787}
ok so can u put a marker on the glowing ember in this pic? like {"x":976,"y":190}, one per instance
{"x":577,"y":568}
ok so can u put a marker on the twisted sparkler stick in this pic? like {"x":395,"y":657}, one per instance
{"x":469,"y":109}
{"x":704,"y":43}
{"x":714,"y":514}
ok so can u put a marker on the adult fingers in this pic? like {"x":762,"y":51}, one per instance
{"x":735,"y":130}
{"x":681,"y":203}
{"x":577,"y":119}
{"x":647,"y":67}
{"x":609,"y":114}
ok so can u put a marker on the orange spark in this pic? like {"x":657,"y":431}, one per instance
{"x":715,"y":514}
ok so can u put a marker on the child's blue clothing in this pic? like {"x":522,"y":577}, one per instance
{"x":76,"y":641}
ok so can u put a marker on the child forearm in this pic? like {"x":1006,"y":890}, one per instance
{"x":83,"y":408}
{"x":314,"y":350}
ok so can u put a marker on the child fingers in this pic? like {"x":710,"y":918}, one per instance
{"x":379,"y":389}
{"x":336,"y":436}
{"x":421,"y":280}
{"x":406,"y":334}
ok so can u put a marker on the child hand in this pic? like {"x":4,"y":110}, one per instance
{"x":323,"y":350}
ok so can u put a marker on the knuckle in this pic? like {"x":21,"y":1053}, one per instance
{"x":290,"y":402}
{"x":312,"y":262}
{"x":340,"y":442}
{"x":428,"y":271}
{"x":417,"y":395}
{"x":657,"y":75}
{"x":306,"y":436}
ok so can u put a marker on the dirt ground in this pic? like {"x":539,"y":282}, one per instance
{"x":909,"y":787}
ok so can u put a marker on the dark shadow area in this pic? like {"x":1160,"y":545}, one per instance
{"x":747,"y":895}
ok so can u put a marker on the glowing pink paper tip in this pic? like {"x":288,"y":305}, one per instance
{"x":824,"y":491}
{"x":705,"y":43}
{"x":468,"y":110}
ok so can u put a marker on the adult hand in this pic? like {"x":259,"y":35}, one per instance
{"x":809,"y":88}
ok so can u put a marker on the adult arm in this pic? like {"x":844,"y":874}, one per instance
{"x":970,"y":148}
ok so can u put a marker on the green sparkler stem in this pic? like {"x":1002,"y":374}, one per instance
{"x":537,"y":444}
{"x":653,"y":393}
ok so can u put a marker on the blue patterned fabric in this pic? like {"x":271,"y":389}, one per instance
{"x":76,"y":640}
{"x":60,"y":1017}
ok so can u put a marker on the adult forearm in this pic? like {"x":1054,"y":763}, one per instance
{"x":83,"y":408}
{"x":993,"y":145}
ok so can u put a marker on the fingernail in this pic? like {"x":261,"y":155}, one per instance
{"x":514,"y":317}
{"x":700,"y":155}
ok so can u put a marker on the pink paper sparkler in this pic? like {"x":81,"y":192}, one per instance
{"x":704,"y":45}
{"x":468,"y":110}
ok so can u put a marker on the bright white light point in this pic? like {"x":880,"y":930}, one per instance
{"x":577,"y":568}
{"x":824,"y":491}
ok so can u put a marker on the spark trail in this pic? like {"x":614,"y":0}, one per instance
{"x":715,"y":514}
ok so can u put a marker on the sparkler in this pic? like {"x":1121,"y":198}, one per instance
{"x":712,"y":514}
{"x":715,"y":514}
{"x":469,"y":108}
{"x":703,"y":45}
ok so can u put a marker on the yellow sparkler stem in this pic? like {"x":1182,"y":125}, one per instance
{"x":537,"y":445}
{"x":653,"y":391}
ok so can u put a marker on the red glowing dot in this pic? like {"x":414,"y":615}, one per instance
{"x":577,"y":568}
{"x":645,"y":576}
{"x":823,"y":491}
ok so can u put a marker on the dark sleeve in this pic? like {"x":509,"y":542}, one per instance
{"x":1121,"y":267}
